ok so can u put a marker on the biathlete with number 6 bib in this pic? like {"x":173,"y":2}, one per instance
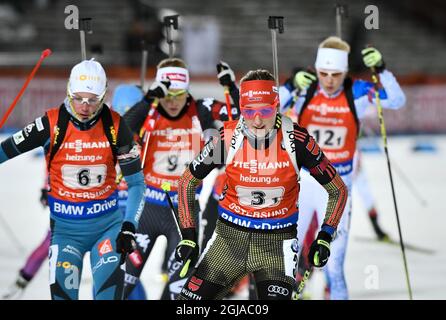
{"x":329,"y":106}
{"x":83,"y":140}
{"x":256,"y":229}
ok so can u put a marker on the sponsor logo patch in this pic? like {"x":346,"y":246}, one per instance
{"x":105,"y":247}
{"x":194,"y":284}
{"x":18,"y":137}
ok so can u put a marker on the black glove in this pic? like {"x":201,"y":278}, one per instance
{"x":44,"y":197}
{"x":158,"y":89}
{"x":320,"y":250}
{"x":125,"y":242}
{"x":225,"y":74}
{"x":187,"y":250}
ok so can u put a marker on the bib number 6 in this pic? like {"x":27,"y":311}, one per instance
{"x":83,"y":177}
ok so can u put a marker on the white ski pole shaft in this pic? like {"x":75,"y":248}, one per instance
{"x":171,"y":23}
{"x":84,"y":27}
{"x":341,"y":12}
{"x":145,"y":54}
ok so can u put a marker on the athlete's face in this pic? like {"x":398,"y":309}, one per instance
{"x":260,"y":125}
{"x":174,"y":102}
{"x":330,"y":80}
{"x":85,"y":104}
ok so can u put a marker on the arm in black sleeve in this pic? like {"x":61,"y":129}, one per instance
{"x":128,"y":158}
{"x":204,"y":110}
{"x":136,"y":115}
{"x":36,"y":134}
{"x":212,"y":156}
{"x":212,"y":113}
{"x":310,"y":156}
{"x":128,"y":153}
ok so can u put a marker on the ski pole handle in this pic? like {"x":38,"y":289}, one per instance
{"x":84,"y":26}
{"x":275,"y":23}
{"x":341,"y":12}
{"x":170,"y":23}
{"x":144,"y":56}
{"x":45,"y":53}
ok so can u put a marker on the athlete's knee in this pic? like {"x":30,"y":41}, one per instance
{"x":109,"y":285}
{"x":274,"y":290}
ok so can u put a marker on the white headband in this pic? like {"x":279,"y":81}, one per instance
{"x":331,"y":59}
{"x":179,"y":77}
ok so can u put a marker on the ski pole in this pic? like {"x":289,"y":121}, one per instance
{"x":84,"y":27}
{"x":386,"y":151}
{"x":227,"y":95}
{"x":275,"y":23}
{"x":166,"y":187}
{"x":341,"y":12}
{"x":302,"y":283}
{"x":144,"y":56}
{"x":170,"y":23}
{"x":45,"y":53}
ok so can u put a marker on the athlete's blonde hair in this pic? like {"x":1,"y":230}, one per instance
{"x":172,"y":62}
{"x":335,"y":43}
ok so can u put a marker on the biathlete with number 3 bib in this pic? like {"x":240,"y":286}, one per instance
{"x":258,"y":213}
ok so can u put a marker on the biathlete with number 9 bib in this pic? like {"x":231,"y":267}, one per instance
{"x":329,"y":106}
{"x":256,"y":229}
{"x":83,"y":140}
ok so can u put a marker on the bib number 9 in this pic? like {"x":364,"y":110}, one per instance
{"x":172,"y":163}
{"x":83,"y":177}
{"x":260,"y":198}
{"x":328,"y":137}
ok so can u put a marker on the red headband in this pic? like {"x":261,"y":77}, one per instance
{"x":258,"y":91}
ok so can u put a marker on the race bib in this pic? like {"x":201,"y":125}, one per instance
{"x":172,"y":163}
{"x":84,"y":177}
{"x":328,"y":137}
{"x":260,"y":198}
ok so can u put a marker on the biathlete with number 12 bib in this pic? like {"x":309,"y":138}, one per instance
{"x":330,"y":107}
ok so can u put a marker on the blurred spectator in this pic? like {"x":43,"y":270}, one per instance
{"x":13,"y":29}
